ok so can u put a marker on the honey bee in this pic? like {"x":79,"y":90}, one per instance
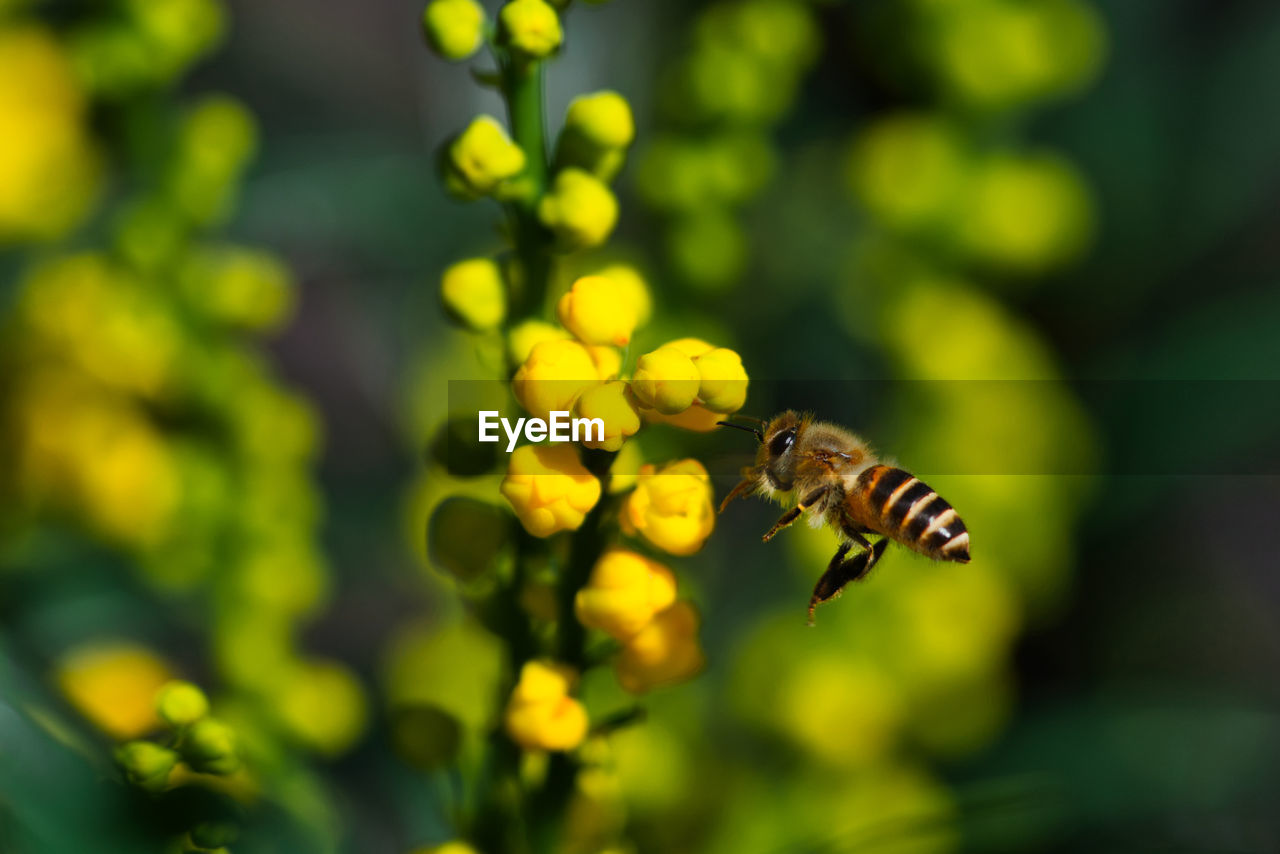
{"x":832,"y":474}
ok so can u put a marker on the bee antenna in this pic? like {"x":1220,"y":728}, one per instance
{"x":759,"y":434}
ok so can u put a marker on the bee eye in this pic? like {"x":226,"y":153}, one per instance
{"x":781,"y":443}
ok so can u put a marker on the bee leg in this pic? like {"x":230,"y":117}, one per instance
{"x":794,"y":513}
{"x":746,"y":487}
{"x":841,"y":571}
{"x":856,"y":535}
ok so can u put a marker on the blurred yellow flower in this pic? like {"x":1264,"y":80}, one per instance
{"x":322,"y":705}
{"x":453,"y":847}
{"x":671,"y":507}
{"x":625,"y":470}
{"x":211,"y":747}
{"x":612,"y":404}
{"x":724,"y":381}
{"x":147,"y":765}
{"x":454,"y":28}
{"x":579,"y":209}
{"x":908,"y":170}
{"x":474,"y":293}
{"x":549,"y":489}
{"x":597,"y":311}
{"x":482,"y":157}
{"x":540,"y":714}
{"x":553,"y":377}
{"x":666,"y":380}
{"x":48,"y":166}
{"x":624,"y":593}
{"x":525,"y":336}
{"x":181,"y":704}
{"x":114,"y":686}
{"x":531,"y":27}
{"x":664,"y":652}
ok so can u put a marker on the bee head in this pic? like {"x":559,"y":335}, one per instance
{"x":775,"y":456}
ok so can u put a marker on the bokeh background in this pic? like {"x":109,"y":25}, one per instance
{"x":1027,"y":247}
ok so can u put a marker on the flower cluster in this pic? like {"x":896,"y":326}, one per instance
{"x":540,"y":713}
{"x":633,"y":599}
{"x":727,"y":91}
{"x":205,"y":744}
{"x":140,"y":411}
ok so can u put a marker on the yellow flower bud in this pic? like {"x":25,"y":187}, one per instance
{"x":597,"y":311}
{"x":631,"y":287}
{"x":523,"y":338}
{"x":608,"y":361}
{"x":549,"y":489}
{"x":724,"y":381}
{"x":664,"y":652}
{"x":454,"y":28}
{"x":540,"y":714}
{"x":147,"y":765}
{"x":597,"y":130}
{"x":666,"y":380}
{"x":623,"y":594}
{"x":553,"y":377}
{"x":580,"y":210}
{"x":210,"y":746}
{"x":697,"y":418}
{"x":181,"y":704}
{"x":602,"y":117}
{"x":612,"y":404}
{"x":531,"y":28}
{"x":483,"y":156}
{"x":671,"y":507}
{"x":474,"y":293}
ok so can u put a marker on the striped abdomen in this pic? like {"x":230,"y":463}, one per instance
{"x":905,"y":509}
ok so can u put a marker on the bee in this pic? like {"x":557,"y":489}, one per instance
{"x":832,"y":474}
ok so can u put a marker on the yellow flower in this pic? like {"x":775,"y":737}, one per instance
{"x":632,"y":288}
{"x":482,"y":157}
{"x":666,"y":380}
{"x":540,"y":714}
{"x":549,"y":489}
{"x":612,"y":404}
{"x":624,"y":593}
{"x":602,"y":117}
{"x":454,"y":28}
{"x":181,"y":704}
{"x":114,"y":686}
{"x":49,"y":170}
{"x":473,"y":292}
{"x":597,"y":130}
{"x":691,"y":347}
{"x":697,"y":418}
{"x":671,"y":507}
{"x":523,"y":338}
{"x":553,"y":377}
{"x":580,"y":210}
{"x":724,"y":382}
{"x":531,"y":27}
{"x":608,"y":362}
{"x":322,"y":705}
{"x":597,"y":311}
{"x":664,"y":652}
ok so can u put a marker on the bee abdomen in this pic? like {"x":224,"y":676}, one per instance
{"x":914,"y":515}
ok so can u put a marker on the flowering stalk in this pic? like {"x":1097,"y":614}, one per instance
{"x":557,"y":206}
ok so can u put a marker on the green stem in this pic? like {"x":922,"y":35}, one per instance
{"x":526,"y":111}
